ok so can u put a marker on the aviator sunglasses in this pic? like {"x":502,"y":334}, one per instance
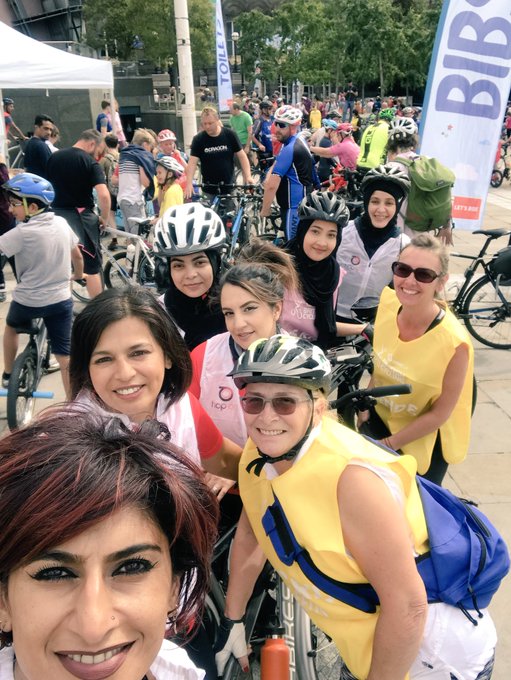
{"x":421,"y":274}
{"x":283,"y":406}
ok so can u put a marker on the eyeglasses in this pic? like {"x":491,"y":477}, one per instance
{"x":281,"y":125}
{"x":283,"y":406}
{"x":15,"y":204}
{"x":421,"y":274}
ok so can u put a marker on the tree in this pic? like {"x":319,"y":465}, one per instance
{"x":153,"y":25}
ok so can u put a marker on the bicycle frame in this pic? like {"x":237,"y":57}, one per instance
{"x":141,"y":248}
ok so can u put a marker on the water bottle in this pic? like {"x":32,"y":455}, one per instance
{"x":130,"y":256}
{"x":275,"y":657}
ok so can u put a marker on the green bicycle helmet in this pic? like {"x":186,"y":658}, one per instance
{"x":387,"y":114}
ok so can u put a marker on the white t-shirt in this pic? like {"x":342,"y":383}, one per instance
{"x":172,"y":663}
{"x":42,"y":251}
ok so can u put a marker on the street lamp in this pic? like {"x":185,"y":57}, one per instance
{"x":235,"y":37}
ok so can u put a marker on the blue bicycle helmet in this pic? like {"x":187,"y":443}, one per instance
{"x":329,"y":124}
{"x":26,"y":185}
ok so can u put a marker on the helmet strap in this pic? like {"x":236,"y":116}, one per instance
{"x":258,"y":463}
{"x":28,"y":215}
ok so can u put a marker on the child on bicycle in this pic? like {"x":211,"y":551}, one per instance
{"x":45,"y":249}
{"x":168,"y":190}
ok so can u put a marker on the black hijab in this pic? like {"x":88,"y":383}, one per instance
{"x":200,"y":318}
{"x":374,"y":237}
{"x":319,"y":282}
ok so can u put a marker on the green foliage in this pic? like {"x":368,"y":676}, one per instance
{"x":329,"y":41}
{"x":154,"y":24}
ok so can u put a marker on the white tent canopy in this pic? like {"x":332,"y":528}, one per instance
{"x":30,"y":64}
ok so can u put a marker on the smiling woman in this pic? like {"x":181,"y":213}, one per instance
{"x":110,"y":552}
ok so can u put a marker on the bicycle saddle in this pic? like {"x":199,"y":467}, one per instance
{"x":494,"y":233}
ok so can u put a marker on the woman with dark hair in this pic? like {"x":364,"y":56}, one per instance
{"x":128,"y":358}
{"x":189,"y":239}
{"x":311,"y":314}
{"x":105,"y":547}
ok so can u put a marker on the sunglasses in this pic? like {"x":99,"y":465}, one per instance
{"x":281,"y":125}
{"x":421,"y":274}
{"x":283,"y":406}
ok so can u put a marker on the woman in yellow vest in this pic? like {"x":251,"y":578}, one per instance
{"x":417,"y":340}
{"x":356,"y":509}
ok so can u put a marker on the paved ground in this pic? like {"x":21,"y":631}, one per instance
{"x":486,"y":474}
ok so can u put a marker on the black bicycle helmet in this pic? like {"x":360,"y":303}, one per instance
{"x":387,"y":173}
{"x":324,"y":205}
{"x":283,"y":359}
{"x":7,"y":101}
{"x":187,"y":229}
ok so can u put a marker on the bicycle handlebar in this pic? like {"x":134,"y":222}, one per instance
{"x":365,"y":396}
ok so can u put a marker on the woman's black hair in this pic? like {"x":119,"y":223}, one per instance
{"x":115,"y":304}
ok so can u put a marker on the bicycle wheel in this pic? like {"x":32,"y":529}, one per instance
{"x":487,"y":313}
{"x":22,"y":383}
{"x":496,"y":179}
{"x":80,"y":293}
{"x":118,"y":274}
{"x":317,"y":657}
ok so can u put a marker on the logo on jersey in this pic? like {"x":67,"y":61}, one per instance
{"x":355,"y":260}
{"x":225,"y":393}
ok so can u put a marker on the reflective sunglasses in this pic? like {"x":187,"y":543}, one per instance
{"x":283,"y":406}
{"x":421,"y":274}
{"x":281,"y":125}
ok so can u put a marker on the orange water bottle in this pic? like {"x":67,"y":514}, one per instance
{"x":275,"y":657}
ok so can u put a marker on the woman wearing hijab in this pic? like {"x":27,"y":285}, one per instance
{"x":371,"y":243}
{"x":310,"y":313}
{"x":190,"y":238}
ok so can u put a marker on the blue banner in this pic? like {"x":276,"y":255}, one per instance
{"x":223,"y":70}
{"x":466,"y":99}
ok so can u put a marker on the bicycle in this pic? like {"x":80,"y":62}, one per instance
{"x":28,"y":369}
{"x":136,"y":264}
{"x":16,"y":155}
{"x":498,"y":176}
{"x":484,"y":305}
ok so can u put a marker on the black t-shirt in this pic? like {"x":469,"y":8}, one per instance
{"x":216,"y":156}
{"x":37,"y":154}
{"x":74,"y":173}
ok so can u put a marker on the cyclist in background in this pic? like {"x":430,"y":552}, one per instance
{"x":356,"y":511}
{"x":403,"y":140}
{"x":291,"y":177}
{"x":46,"y":251}
{"x":417,"y":340}
{"x":373,"y":145}
{"x":189,"y":239}
{"x":167,"y":146}
{"x":261,"y":133}
{"x":371,"y":243}
{"x":326,"y":163}
{"x":343,"y":145}
{"x":10,"y":126}
{"x":7,"y":222}
{"x":169,"y":192}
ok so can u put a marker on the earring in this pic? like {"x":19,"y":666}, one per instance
{"x":171,"y":617}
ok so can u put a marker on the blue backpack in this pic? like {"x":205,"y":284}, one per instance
{"x":466,"y":561}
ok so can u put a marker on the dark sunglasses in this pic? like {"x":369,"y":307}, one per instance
{"x":281,"y":125}
{"x":421,"y":274}
{"x":283,"y":406}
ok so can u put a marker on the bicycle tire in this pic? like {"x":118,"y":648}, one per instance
{"x":486,"y":317}
{"x":496,"y":179}
{"x":317,"y":657}
{"x":80,"y":293}
{"x":23,"y":381}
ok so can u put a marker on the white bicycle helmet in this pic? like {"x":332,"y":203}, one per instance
{"x":402,"y":128}
{"x":387,"y":173}
{"x":171,"y":164}
{"x":285,"y":360}
{"x":166,"y":136}
{"x":288,"y":114}
{"x":324,"y":205}
{"x":187,"y":229}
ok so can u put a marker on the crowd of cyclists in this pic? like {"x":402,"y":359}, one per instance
{"x":228,"y":364}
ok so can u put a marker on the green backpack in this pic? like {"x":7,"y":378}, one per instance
{"x":429,"y":200}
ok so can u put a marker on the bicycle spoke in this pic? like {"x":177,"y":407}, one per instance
{"x":487,"y":314}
